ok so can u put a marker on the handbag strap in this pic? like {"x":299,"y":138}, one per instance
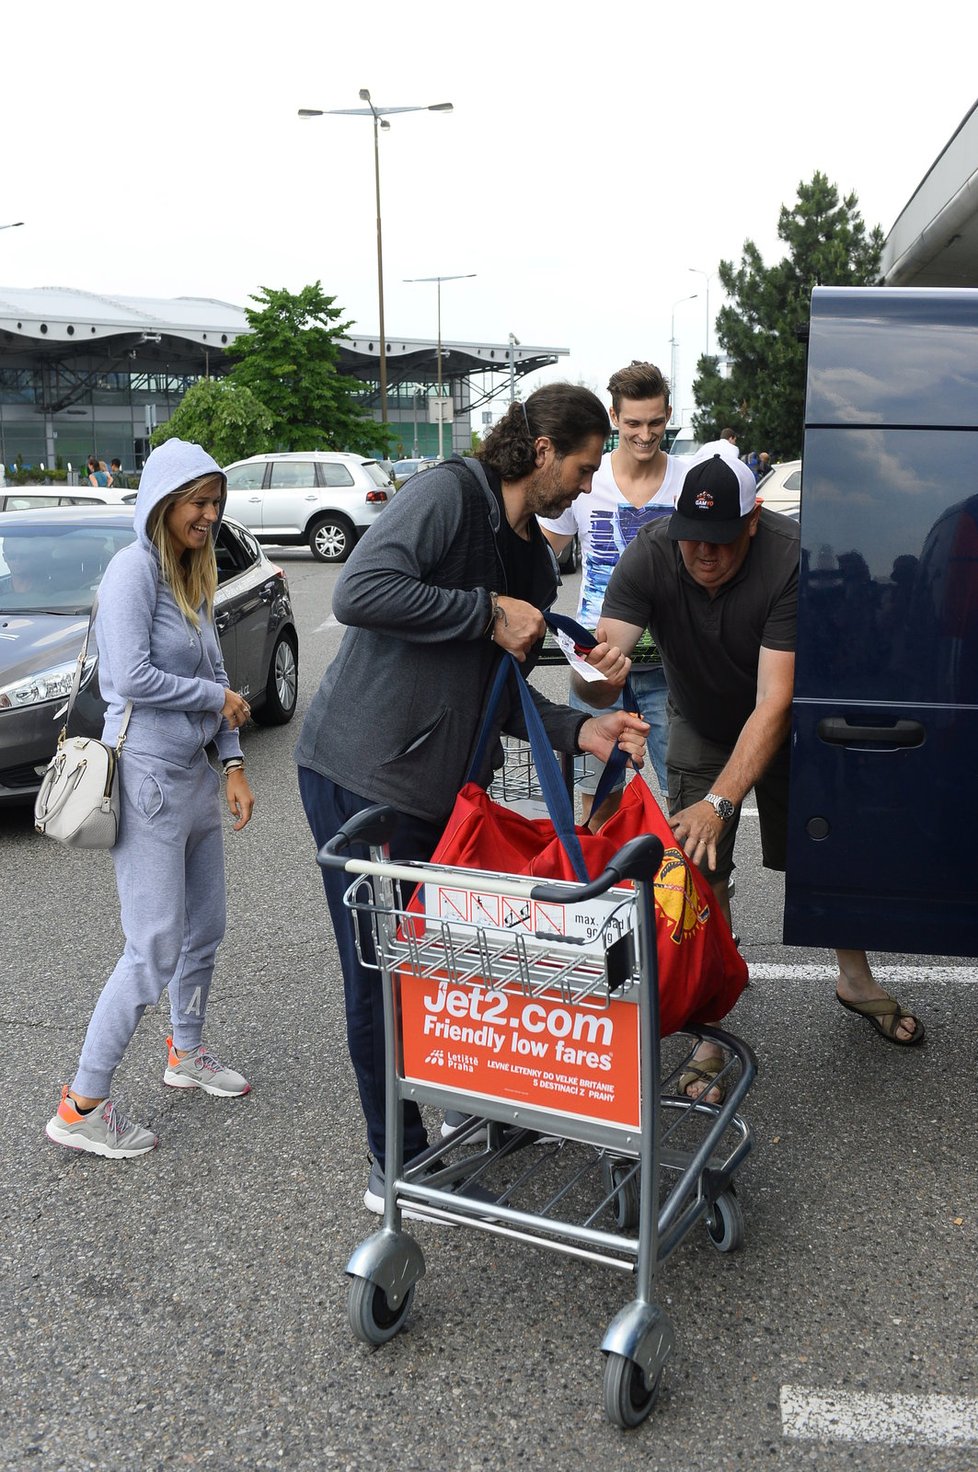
{"x":618,"y":760}
{"x":76,"y":680}
{"x":559,"y":807}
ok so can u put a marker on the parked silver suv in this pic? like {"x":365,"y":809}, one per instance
{"x":326,"y":498}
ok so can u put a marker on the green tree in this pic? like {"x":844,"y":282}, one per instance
{"x":225,"y":417}
{"x":289,"y":360}
{"x":762,"y":328}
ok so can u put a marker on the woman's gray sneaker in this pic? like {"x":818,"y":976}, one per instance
{"x":202,"y":1070}
{"x":103,"y":1131}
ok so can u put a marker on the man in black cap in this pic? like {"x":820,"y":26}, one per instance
{"x":717,"y":586}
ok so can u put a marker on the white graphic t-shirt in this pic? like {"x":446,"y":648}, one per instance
{"x":605,"y":523}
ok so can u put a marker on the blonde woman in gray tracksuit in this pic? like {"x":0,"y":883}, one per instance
{"x":159,"y":653}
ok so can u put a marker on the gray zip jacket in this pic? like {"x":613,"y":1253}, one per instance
{"x":148,"y":653}
{"x":399,"y":709}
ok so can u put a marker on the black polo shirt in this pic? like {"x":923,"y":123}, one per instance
{"x":710,"y":646}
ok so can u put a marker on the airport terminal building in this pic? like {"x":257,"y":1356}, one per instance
{"x":83,"y":374}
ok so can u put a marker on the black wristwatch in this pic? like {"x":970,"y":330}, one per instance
{"x":722,"y":806}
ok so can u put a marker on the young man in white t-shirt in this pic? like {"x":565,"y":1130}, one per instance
{"x":635,"y":484}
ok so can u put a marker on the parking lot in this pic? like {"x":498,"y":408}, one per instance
{"x":188,"y":1309}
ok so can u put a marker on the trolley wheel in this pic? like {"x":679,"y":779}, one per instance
{"x":625,"y":1204}
{"x":725,"y":1223}
{"x":628,"y":1398}
{"x":372,"y":1318}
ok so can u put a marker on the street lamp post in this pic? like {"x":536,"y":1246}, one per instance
{"x":12,"y":226}
{"x":465,"y":276}
{"x":672,"y":346}
{"x":379,"y":115}
{"x":707,"y":277}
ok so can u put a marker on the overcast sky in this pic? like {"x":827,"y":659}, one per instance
{"x":595,"y":154}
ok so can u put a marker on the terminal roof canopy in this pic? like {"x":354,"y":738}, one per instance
{"x":193,"y":332}
{"x":934,"y":242}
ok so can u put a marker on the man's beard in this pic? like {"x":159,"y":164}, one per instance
{"x":546,"y":495}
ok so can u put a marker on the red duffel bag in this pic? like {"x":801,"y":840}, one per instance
{"x":701,"y":972}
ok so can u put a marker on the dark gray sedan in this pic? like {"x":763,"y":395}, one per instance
{"x":51,"y":563}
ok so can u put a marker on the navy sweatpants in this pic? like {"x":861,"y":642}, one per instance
{"x":328,"y":807}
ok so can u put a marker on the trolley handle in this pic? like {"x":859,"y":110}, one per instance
{"x":640,"y":858}
{"x":373,"y":826}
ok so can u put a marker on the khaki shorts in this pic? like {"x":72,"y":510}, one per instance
{"x":694,"y":763}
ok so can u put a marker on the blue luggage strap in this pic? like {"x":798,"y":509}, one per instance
{"x":558,"y":801}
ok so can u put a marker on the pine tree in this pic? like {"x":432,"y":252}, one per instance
{"x":762,"y":327}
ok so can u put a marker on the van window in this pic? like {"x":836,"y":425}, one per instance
{"x":334,"y":474}
{"x":879,"y":608}
{"x":376,"y":473}
{"x":247,"y":477}
{"x":293,"y":473}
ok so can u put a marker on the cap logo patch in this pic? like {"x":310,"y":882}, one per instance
{"x":704,"y":501}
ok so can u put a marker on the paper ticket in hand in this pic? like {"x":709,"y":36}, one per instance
{"x":575,"y":656}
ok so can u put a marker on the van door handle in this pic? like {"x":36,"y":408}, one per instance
{"x":837,"y":731}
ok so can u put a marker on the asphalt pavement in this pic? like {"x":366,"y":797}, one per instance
{"x":188,"y":1309}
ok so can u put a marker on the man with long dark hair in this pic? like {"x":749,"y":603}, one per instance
{"x":455,"y":571}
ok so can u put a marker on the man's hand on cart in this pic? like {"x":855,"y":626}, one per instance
{"x":601,"y":734}
{"x":516,"y":626}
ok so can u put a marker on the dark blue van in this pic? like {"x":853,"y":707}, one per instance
{"x":883,"y":828}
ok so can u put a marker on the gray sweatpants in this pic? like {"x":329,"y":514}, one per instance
{"x":169,"y":869}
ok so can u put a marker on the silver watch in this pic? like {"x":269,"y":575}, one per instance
{"x":722,"y":806}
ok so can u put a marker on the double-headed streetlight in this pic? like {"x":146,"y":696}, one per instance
{"x":465,"y":276}
{"x":672,"y":345}
{"x":379,"y":115}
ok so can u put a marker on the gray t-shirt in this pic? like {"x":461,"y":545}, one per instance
{"x":710,"y":645}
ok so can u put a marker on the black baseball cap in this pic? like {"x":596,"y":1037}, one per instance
{"x":718,"y":493}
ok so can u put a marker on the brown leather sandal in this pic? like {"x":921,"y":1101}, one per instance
{"x":885,"y":1015}
{"x":702,"y":1070}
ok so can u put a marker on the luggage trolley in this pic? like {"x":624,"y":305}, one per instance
{"x":532,"y":1009}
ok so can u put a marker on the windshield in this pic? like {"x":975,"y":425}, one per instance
{"x":47,"y":571}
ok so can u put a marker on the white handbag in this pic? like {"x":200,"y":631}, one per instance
{"x":78,"y":803}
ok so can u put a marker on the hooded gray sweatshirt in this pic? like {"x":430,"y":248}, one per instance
{"x":148,"y":652}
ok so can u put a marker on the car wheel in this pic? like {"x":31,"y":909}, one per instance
{"x":331,"y":539}
{"x":282,"y":687}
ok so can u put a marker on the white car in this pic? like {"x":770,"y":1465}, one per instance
{"x":780,"y":489}
{"x":323,"y":498}
{"x":36,"y":498}
{"x":684,"y":444}
{"x":404,"y":469}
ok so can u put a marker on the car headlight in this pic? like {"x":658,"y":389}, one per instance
{"x":52,"y":684}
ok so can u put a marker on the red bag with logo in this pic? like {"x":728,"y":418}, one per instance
{"x":701,"y":972}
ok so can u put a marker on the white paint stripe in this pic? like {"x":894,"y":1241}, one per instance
{"x":911,"y":1420}
{"x":331,"y":623}
{"x":887,"y":976}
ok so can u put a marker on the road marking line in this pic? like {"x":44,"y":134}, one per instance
{"x":331,"y":623}
{"x":887,"y":976}
{"x":912,"y":1420}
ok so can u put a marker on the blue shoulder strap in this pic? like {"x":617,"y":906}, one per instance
{"x":618,"y":760}
{"x":559,"y":806}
